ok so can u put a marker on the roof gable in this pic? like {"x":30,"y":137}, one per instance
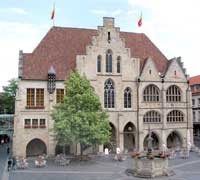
{"x":60,"y":47}
{"x":149,"y":71}
{"x":175,"y":71}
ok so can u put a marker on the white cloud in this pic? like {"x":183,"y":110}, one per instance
{"x":107,"y":13}
{"x":116,"y":13}
{"x":15,"y":36}
{"x":19,"y":11}
{"x":98,"y":12}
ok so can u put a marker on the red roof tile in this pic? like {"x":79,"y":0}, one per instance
{"x":61,"y":45}
{"x":194,"y":80}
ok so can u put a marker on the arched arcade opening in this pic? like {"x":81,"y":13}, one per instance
{"x":112,"y":144}
{"x":155,"y":141}
{"x":129,"y":137}
{"x":36,"y":147}
{"x":174,"y":140}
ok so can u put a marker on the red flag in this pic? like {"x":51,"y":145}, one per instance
{"x":53,"y":12}
{"x":140,"y":21}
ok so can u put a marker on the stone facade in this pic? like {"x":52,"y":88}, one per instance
{"x":133,"y":75}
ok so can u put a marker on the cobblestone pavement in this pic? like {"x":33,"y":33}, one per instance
{"x":104,"y":168}
{"x":3,"y":158}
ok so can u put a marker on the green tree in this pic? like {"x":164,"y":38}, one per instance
{"x":7,"y":99}
{"x":80,"y":118}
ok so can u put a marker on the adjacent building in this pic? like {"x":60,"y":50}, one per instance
{"x":136,"y":83}
{"x":195,"y":88}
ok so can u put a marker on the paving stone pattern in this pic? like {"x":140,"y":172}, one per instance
{"x":104,"y":168}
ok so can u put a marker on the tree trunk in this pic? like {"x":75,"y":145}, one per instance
{"x":64,"y":149}
{"x":81,"y":149}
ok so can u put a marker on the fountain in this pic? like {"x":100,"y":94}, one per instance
{"x":150,"y":164}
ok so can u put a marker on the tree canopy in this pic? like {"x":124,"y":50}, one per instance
{"x":80,"y":118}
{"x":7,"y":99}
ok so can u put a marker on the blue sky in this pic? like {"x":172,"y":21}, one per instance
{"x":172,"y":25}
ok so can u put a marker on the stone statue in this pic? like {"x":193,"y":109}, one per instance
{"x":149,"y":142}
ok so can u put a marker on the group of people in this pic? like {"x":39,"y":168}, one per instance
{"x":118,"y":156}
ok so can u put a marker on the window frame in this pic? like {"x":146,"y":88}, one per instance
{"x":27,"y":125}
{"x":35,"y":98}
{"x":151,"y":94}
{"x":99,"y":61}
{"x":152,"y":117}
{"x":175,"y":116}
{"x":109,"y":94}
{"x":60,"y":93}
{"x":127,"y":98}
{"x":109,"y":61}
{"x":173,"y":94}
{"x":119,"y":64}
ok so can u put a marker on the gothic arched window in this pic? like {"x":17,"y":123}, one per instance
{"x":127,"y":98}
{"x":99,"y":63}
{"x":109,"y":61}
{"x":118,"y":64}
{"x":152,"y":117}
{"x":109,"y":94}
{"x":173,"y":94}
{"x":175,"y":116}
{"x":151,"y":93}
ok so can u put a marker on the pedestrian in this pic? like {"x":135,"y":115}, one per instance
{"x":14,"y":163}
{"x":2,"y":142}
{"x":9,"y":164}
{"x":8,"y":150}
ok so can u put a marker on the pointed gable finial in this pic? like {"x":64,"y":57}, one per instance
{"x":51,"y":70}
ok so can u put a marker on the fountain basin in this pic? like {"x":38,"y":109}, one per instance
{"x":147,"y":168}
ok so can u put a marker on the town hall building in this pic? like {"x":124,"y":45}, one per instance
{"x":138,"y":86}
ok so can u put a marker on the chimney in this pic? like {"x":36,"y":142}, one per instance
{"x":20,"y":65}
{"x":108,"y":22}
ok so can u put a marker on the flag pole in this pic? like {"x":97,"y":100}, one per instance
{"x":54,"y":13}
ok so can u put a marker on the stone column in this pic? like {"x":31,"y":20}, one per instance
{"x":101,"y":149}
{"x":163,"y":138}
{"x":121,"y":141}
{"x":51,"y":146}
{"x":78,"y":149}
{"x":141,"y":146}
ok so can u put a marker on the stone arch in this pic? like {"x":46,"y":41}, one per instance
{"x":112,"y":144}
{"x":36,"y":147}
{"x":4,"y":138}
{"x":129,"y":136}
{"x":174,"y":140}
{"x":155,"y":142}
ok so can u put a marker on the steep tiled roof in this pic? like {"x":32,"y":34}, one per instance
{"x":61,"y":45}
{"x":194,"y":80}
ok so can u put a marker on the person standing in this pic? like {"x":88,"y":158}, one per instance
{"x":8,"y":150}
{"x":9,"y":164}
{"x":14,"y":161}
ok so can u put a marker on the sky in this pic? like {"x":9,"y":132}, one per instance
{"x":172,"y":25}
